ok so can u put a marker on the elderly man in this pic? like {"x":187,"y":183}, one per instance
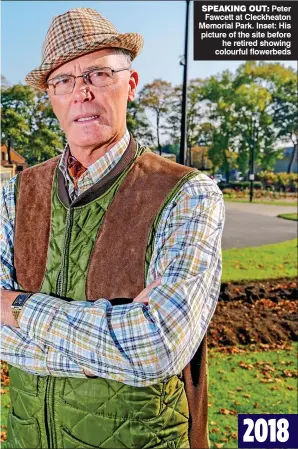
{"x":111,"y":266}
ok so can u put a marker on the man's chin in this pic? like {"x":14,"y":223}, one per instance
{"x":92,"y":139}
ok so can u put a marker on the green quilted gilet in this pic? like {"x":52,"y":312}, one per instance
{"x":52,"y":412}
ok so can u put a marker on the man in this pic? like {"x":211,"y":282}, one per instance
{"x":118,"y":252}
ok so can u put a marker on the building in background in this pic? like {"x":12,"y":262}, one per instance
{"x":283,"y":164}
{"x":18,"y":164}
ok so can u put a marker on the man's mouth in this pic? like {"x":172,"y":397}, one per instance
{"x":87,"y":119}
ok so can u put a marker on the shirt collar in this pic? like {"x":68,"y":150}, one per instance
{"x":102,"y":166}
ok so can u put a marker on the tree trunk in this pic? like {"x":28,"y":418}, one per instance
{"x":293,"y":158}
{"x":8,"y":150}
{"x":157,"y":129}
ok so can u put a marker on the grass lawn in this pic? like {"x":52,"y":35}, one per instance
{"x":250,"y":382}
{"x":293,"y":216}
{"x":263,"y":262}
{"x":5,"y":401}
{"x":257,"y":201}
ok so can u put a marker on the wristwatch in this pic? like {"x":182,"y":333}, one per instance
{"x":18,"y":304}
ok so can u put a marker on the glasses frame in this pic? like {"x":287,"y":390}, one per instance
{"x":85,"y":76}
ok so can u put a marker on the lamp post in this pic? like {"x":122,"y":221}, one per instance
{"x":252,"y":159}
{"x":184,"y":93}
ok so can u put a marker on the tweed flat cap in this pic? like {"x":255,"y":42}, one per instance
{"x":76,"y":33}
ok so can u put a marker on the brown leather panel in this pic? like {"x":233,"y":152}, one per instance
{"x":196,"y":388}
{"x":116,"y":266}
{"x":33,"y":220}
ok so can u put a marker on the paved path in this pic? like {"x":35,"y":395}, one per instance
{"x":256,"y":224}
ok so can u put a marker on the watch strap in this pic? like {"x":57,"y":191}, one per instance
{"x":19,"y":303}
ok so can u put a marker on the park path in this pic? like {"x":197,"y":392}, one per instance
{"x":256,"y":224}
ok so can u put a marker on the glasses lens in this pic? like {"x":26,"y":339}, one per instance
{"x":63,"y":85}
{"x":101,"y":77}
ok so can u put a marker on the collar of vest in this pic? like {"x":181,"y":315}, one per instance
{"x":103,"y":184}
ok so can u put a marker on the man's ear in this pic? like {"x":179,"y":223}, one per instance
{"x":133,"y":82}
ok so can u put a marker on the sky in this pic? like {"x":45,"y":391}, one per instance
{"x":162,"y":23}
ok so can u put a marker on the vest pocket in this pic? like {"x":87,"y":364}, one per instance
{"x":23,"y":433}
{"x":70,"y":442}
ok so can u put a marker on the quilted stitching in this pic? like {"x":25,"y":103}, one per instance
{"x":113,"y":394}
{"x":123,"y":416}
{"x":106,"y":431}
{"x":26,"y":408}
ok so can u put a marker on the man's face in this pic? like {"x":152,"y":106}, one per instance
{"x":107,"y":103}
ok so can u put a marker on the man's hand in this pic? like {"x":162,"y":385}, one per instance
{"x":7,"y":298}
{"x":142,"y":297}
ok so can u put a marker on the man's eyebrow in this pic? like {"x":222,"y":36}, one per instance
{"x":87,"y":69}
{"x":94,"y":67}
{"x":60,"y":74}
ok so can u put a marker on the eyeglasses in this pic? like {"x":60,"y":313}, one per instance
{"x":64,"y":84}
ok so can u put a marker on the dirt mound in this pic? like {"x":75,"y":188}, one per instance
{"x":255,"y":313}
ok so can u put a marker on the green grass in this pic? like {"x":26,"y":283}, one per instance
{"x":262,"y":262}
{"x":293,"y":216}
{"x":265,"y":383}
{"x":257,"y":201}
{"x":5,"y":401}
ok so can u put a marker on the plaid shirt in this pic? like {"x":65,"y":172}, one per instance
{"x":136,"y":344}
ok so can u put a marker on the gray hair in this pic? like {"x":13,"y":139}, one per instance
{"x":123,"y":52}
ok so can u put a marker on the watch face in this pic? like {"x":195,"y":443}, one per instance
{"x":21,"y":299}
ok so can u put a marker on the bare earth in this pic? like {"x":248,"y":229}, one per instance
{"x":262,"y":314}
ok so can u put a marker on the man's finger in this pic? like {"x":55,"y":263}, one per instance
{"x":143,"y":300}
{"x":148,"y":289}
{"x":143,"y":296}
{"x":88,"y":373}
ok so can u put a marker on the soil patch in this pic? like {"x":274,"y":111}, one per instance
{"x":255,"y":313}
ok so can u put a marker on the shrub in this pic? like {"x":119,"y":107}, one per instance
{"x":239,"y":185}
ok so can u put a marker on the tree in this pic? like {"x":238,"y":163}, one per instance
{"x":205,"y":133}
{"x":218,"y":94}
{"x":194,"y":115}
{"x":155,"y":96}
{"x":254,"y":126}
{"x":137,"y":123}
{"x":172,"y":124}
{"x":243,"y":110}
{"x":28,"y":120}
{"x":281,"y":83}
{"x":285,"y":114}
{"x":4,"y":82}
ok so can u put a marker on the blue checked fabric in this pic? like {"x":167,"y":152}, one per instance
{"x":136,"y":344}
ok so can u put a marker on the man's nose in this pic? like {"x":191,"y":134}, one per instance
{"x":84,"y":93}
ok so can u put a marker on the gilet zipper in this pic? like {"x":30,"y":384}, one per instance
{"x":61,"y":290}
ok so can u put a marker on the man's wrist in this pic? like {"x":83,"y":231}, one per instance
{"x":18,"y":304}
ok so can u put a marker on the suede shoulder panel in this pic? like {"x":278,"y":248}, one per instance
{"x":123,"y":236}
{"x":35,"y":184}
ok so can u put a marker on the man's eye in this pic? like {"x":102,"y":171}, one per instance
{"x":98,"y":74}
{"x":62,"y":81}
